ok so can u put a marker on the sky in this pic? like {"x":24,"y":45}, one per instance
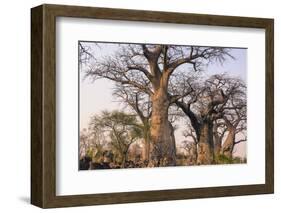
{"x":97,"y":96}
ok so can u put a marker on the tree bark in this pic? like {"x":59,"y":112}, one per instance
{"x":217,"y":141}
{"x":146,"y":143}
{"x":205,"y":150}
{"x":123,"y":160}
{"x":162,"y":152}
{"x":217,"y":146}
{"x":192,"y":155}
{"x":147,"y":151}
{"x":227,"y":147}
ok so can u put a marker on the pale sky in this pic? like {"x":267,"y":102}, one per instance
{"x":96,"y":97}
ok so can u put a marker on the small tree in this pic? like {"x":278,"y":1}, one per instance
{"x":120,"y":128}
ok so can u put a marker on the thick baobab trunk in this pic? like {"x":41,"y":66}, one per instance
{"x":205,"y":150}
{"x":227,"y":147}
{"x":217,"y":148}
{"x":217,"y":144}
{"x":162,"y":147}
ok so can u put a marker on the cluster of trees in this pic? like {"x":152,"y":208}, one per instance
{"x":159,"y":84}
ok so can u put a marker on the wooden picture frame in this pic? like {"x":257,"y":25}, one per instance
{"x":43,"y":105}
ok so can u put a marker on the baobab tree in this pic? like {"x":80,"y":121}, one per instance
{"x":140,"y":104}
{"x":202,"y":117}
{"x":232,"y":123}
{"x":190,"y":144}
{"x":208,"y":104}
{"x":235,"y":117}
{"x":230,"y":131}
{"x":149,"y":68}
{"x":219,"y":131}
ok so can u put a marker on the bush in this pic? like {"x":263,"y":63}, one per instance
{"x":222,"y":159}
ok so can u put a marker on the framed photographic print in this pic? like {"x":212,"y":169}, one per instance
{"x":135,"y":106}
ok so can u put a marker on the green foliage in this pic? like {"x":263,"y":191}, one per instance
{"x":222,"y":159}
{"x":121,"y":130}
{"x":89,"y":153}
{"x":97,"y":156}
{"x":239,"y":160}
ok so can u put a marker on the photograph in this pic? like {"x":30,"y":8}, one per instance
{"x":161,"y":105}
{"x":170,"y":105}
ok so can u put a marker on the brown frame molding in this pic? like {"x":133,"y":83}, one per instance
{"x":43,"y":105}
